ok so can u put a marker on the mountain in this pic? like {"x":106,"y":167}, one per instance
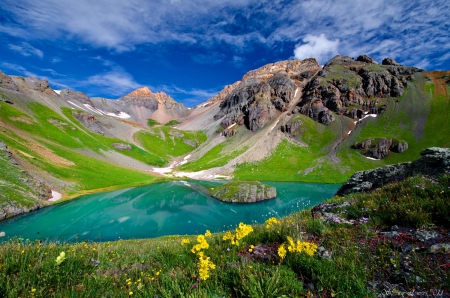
{"x":296,"y":120}
{"x":288,"y":121}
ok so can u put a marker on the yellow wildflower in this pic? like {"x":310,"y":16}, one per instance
{"x":208,"y":233}
{"x":282,"y":251}
{"x":272,"y":221}
{"x":185,"y":241}
{"x":61,"y":258}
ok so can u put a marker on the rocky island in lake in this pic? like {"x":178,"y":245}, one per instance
{"x":244,"y":192}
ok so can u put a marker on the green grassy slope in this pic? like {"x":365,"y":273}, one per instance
{"x":47,"y":142}
{"x":166,"y":142}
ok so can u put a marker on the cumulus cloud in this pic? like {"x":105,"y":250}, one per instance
{"x":26,"y":50}
{"x":319,"y":47}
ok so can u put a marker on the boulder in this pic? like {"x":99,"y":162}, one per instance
{"x":244,"y":192}
{"x":366,"y":59}
{"x":390,"y":61}
{"x":399,"y":146}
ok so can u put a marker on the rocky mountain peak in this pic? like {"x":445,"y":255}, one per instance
{"x":267,"y":71}
{"x":145,"y":93}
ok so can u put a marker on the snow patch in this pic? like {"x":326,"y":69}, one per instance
{"x":74,"y":104}
{"x":57,"y":91}
{"x":231,"y":125}
{"x":55,"y":196}
{"x":121,"y":115}
{"x":274,"y":125}
{"x":295,"y":94}
{"x":371,"y":158}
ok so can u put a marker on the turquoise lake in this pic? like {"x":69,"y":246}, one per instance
{"x":170,"y":208}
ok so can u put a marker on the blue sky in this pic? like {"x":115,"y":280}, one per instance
{"x":191,"y":49}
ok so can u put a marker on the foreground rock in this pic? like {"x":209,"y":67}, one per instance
{"x":244,"y":192}
{"x":434,"y":161}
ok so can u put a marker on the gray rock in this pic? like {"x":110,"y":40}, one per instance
{"x":367,"y":59}
{"x":190,"y":143}
{"x":76,"y":96}
{"x":7,"y":83}
{"x":389,"y":61}
{"x":399,"y":146}
{"x":121,"y":146}
{"x":440,"y":248}
{"x":425,"y":235}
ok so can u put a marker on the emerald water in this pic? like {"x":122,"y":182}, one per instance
{"x":160,"y":209}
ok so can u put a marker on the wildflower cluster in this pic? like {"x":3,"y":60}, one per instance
{"x":272,"y":221}
{"x":185,"y":241}
{"x":202,"y":244}
{"x":61,"y":258}
{"x":307,"y":247}
{"x":204,"y":265}
{"x":241,"y":231}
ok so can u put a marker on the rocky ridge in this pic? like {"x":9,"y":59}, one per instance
{"x":434,"y":161}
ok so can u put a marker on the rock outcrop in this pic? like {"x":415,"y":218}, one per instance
{"x":434,"y":161}
{"x":121,"y":146}
{"x":352,"y":87}
{"x":76,"y":96}
{"x":379,"y":148}
{"x":244,"y":192}
{"x":7,"y":83}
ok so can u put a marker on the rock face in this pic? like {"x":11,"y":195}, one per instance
{"x":244,"y":192}
{"x":351,"y":87}
{"x":434,"y":161}
{"x":90,"y":122}
{"x":264,"y":91}
{"x":144,"y":97}
{"x":379,"y":148}
{"x":75,"y":96}
{"x":7,"y":83}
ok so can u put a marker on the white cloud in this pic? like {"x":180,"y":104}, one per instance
{"x":19,"y":69}
{"x":116,"y":82}
{"x":419,"y":28}
{"x":319,"y":47}
{"x":26,"y":49}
